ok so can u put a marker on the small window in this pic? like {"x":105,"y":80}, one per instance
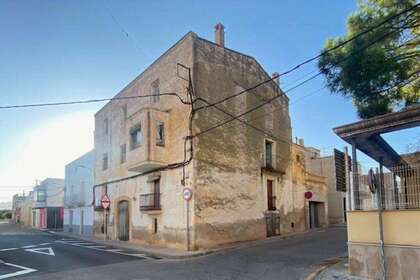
{"x":136,"y":137}
{"x":105,"y":161}
{"x":123,"y":153}
{"x":124,"y":112}
{"x":155,"y":92}
{"x":160,"y":134}
{"x":268,"y":153}
{"x":106,"y":126}
{"x":155,"y":225}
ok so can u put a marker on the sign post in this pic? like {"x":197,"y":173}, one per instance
{"x":105,"y":202}
{"x":187,"y":195}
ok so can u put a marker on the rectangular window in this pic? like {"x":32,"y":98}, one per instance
{"x":136,"y":137}
{"x":106,"y":126}
{"x":268,"y":153}
{"x":105,"y":161}
{"x":40,"y":196}
{"x":123,"y":153}
{"x":124,"y":111}
{"x":160,"y":134}
{"x":155,"y":91}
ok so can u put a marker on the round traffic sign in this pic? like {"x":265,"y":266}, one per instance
{"x":308,"y":195}
{"x":187,"y":193}
{"x":105,"y":201}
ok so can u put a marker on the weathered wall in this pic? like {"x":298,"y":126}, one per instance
{"x":175,"y":115}
{"x":230,"y":197}
{"x":402,"y":262}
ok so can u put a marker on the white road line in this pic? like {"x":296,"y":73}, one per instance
{"x":42,"y":244}
{"x":25,"y":270}
{"x":28,"y":246}
{"x":83,"y":244}
{"x":96,"y":246}
{"x":8,"y":249}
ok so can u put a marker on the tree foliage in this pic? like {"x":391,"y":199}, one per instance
{"x":379,"y":77}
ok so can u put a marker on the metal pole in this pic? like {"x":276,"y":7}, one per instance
{"x":188,"y":225}
{"x":106,"y":224}
{"x":348,"y":186}
{"x":355,"y":177}
{"x":380,"y":210}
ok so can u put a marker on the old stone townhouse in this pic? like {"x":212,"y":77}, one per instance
{"x":149,"y":148}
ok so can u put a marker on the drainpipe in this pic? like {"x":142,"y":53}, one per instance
{"x":380,"y":211}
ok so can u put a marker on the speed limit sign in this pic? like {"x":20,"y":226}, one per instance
{"x":187,"y":193}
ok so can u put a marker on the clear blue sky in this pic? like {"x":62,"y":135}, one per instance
{"x":65,"y":50}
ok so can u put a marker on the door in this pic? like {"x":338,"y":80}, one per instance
{"x":270,"y":197}
{"x":123,"y":220}
{"x":71,"y":221}
{"x":313,"y":215}
{"x":81,"y":221}
{"x":272,"y":221}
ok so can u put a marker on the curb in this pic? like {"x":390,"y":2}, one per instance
{"x":328,"y":263}
{"x":190,"y":254}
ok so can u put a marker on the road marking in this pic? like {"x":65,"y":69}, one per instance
{"x":43,"y":244}
{"x":96,"y":246}
{"x":25,"y":270}
{"x":8,"y":249}
{"x":114,"y":250}
{"x":49,"y":250}
{"x":28,"y":246}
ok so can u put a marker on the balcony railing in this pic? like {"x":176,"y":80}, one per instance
{"x":150,"y":201}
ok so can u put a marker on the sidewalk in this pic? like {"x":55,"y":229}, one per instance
{"x":161,"y":252}
{"x":338,"y":270}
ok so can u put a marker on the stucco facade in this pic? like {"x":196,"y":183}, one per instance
{"x":238,"y":194}
{"x":78,"y":195}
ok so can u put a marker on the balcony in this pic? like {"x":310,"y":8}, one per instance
{"x":150,"y":202}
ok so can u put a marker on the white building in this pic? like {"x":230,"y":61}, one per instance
{"x":78,"y":212}
{"x":47,"y":204}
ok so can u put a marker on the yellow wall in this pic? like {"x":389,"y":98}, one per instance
{"x":400,"y":227}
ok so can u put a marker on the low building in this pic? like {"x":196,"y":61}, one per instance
{"x":17,"y":205}
{"x":329,"y":167}
{"x":48,"y":204}
{"x":383,"y":221}
{"x":78,"y":195}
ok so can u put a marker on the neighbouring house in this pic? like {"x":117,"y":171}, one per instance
{"x":17,"y":205}
{"x":333,"y":167}
{"x":383,"y":220}
{"x":153,"y":149}
{"x":78,"y":195}
{"x":48,"y":204}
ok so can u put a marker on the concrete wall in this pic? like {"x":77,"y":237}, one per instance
{"x":78,"y":224}
{"x":402,"y":243}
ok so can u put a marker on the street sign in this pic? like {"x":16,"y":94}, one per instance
{"x":105,"y":201}
{"x":187,"y":193}
{"x":308,"y":195}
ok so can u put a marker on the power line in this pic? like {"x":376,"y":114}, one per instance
{"x":91,"y":101}
{"x":292,"y":88}
{"x":313,"y":58}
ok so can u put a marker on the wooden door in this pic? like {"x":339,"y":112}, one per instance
{"x":123,"y":221}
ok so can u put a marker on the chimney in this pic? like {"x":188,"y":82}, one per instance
{"x":219,"y":34}
{"x":276,"y":78}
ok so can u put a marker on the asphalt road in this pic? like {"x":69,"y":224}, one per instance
{"x":292,"y":258}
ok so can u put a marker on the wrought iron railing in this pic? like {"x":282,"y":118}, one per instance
{"x":150,"y":201}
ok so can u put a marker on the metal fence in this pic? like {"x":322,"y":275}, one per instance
{"x":400,"y":189}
